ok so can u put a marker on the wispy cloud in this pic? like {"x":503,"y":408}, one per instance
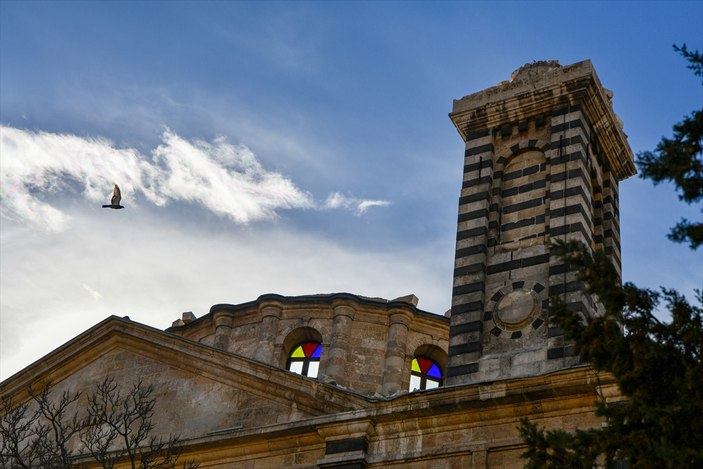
{"x":224,"y":178}
{"x":97,"y":296}
{"x":359,"y":206}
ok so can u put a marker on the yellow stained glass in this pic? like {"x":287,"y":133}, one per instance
{"x":298,"y":353}
{"x":416,"y":365}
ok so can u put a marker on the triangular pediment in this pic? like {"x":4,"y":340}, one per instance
{"x":199,"y":389}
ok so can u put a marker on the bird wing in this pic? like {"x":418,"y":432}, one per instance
{"x":116,"y":196}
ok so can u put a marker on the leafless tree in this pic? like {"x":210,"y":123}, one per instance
{"x":119,"y":425}
{"x":116,"y":425}
{"x":38,"y":438}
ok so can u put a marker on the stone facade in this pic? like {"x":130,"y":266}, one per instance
{"x":368,"y":344}
{"x":544,"y":155}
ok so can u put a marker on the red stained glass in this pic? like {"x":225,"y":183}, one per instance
{"x":425,"y":364}
{"x":309,"y":348}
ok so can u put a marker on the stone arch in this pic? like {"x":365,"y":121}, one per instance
{"x":523,"y":186}
{"x":435,"y":353}
{"x":295,"y":338}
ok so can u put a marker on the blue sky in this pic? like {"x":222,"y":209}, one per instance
{"x":292,"y":147}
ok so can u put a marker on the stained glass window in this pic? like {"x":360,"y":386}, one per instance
{"x":425,"y":374}
{"x":305,"y":359}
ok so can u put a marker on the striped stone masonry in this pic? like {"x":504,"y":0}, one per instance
{"x":535,"y":171}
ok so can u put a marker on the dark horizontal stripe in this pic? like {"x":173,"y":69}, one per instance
{"x":476,"y":182}
{"x":570,"y":191}
{"x":468,"y":288}
{"x":473,"y":215}
{"x":569,"y":210}
{"x":523,"y":172}
{"x":577,"y":123}
{"x":553,"y":331}
{"x":487,"y":163}
{"x":474,"y":326}
{"x":471,"y":250}
{"x":539,"y":184}
{"x":560,"y":288}
{"x":347,"y":444}
{"x":517,"y":263}
{"x":574,"y":156}
{"x":572,"y":228}
{"x":571,"y":174}
{"x":559,"y":269}
{"x":478,"y":134}
{"x":479,"y":267}
{"x":554,"y":353}
{"x":471,"y":347}
{"x":575,"y":140}
{"x":462,"y":369}
{"x":479,"y":231}
{"x":475,"y":197}
{"x":479,"y":149}
{"x":560,"y":352}
{"x":523,"y":205}
{"x":467,"y":307}
{"x":566,"y":110}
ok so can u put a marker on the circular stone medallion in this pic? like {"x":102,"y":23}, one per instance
{"x":516,"y":309}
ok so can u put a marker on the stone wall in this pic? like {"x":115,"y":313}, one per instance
{"x":368,"y":343}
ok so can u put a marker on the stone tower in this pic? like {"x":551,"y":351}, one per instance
{"x":544,"y":155}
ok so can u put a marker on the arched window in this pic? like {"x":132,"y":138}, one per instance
{"x":305,"y":359}
{"x":425,"y":374}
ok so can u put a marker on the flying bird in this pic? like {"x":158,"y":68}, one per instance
{"x":116,"y":197}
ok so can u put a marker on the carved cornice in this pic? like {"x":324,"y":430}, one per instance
{"x":511,"y":102}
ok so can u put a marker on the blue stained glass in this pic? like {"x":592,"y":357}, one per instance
{"x":317,"y":352}
{"x":434,"y":372}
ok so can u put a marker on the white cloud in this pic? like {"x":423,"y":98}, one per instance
{"x":224,"y":178}
{"x":359,"y":206}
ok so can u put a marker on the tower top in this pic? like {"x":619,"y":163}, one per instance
{"x":539,"y":87}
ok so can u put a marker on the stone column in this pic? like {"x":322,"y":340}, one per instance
{"x":343,"y":315}
{"x":223,"y":329}
{"x":395,"y":351}
{"x":268,"y":330}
